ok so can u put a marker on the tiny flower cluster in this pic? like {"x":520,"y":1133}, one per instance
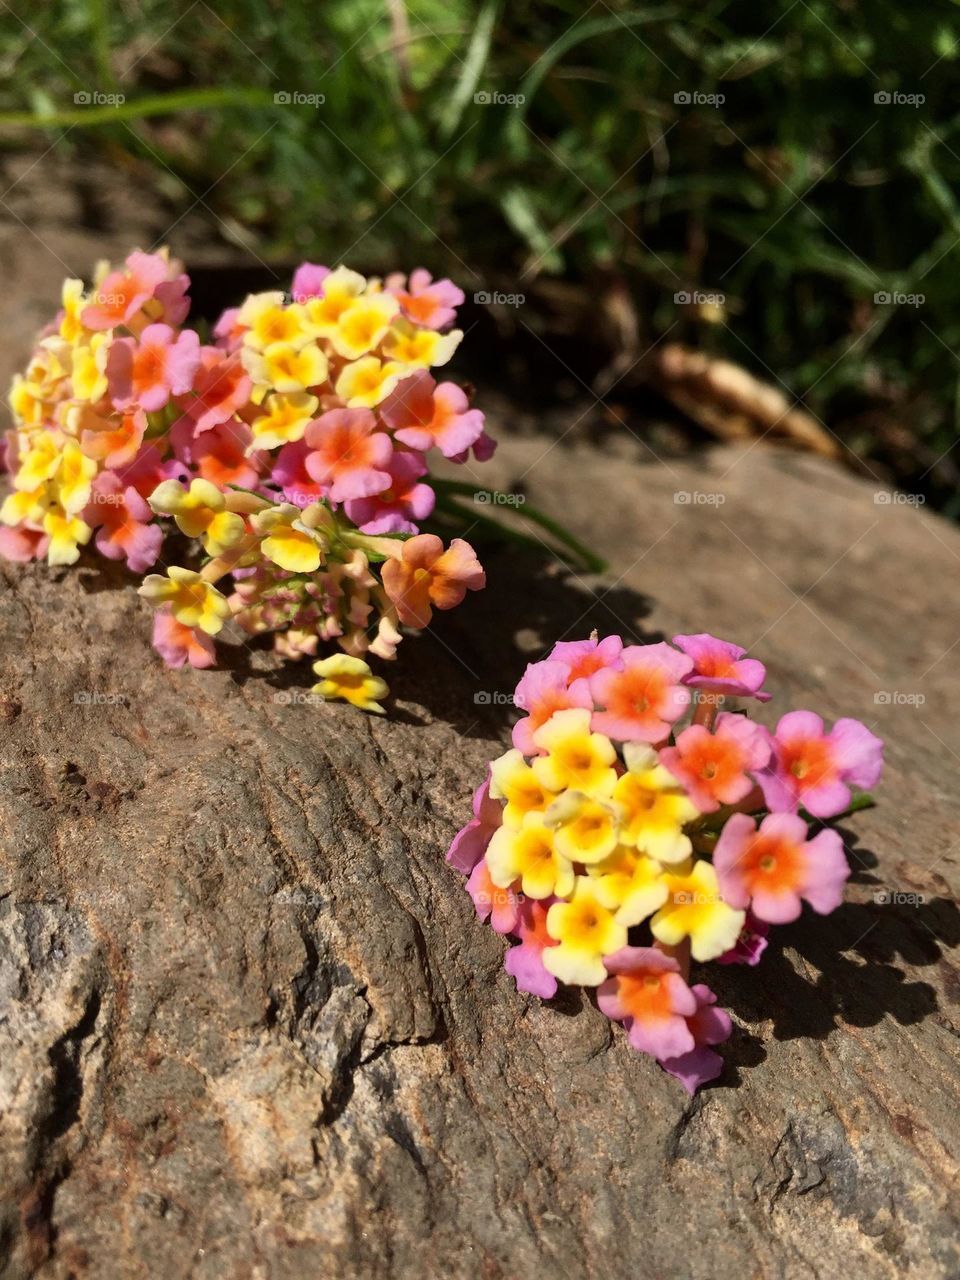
{"x":618,"y":847}
{"x":292,"y":448}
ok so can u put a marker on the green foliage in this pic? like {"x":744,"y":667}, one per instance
{"x":799,"y":197}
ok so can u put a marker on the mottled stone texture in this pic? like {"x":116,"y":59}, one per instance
{"x":249,"y":1026}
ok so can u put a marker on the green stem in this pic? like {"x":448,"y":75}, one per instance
{"x":447,"y":489}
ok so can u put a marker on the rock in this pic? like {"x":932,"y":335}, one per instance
{"x":250,"y":1027}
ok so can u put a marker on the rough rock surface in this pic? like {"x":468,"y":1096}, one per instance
{"x":249,"y":1026}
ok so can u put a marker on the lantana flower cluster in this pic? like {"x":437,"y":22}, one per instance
{"x":292,"y":448}
{"x":638,"y":827}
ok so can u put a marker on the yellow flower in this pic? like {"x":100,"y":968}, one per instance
{"x":340,"y":289}
{"x":270,"y":322}
{"x":285,"y":420}
{"x":512,"y":779}
{"x":26,"y":401}
{"x":695,"y":910}
{"x":88,"y":377}
{"x":655,"y":806}
{"x":529,"y":855}
{"x":41,"y":460}
{"x":73,"y":303}
{"x":286,"y":367}
{"x":586,"y":931}
{"x":586,"y":828}
{"x":637,"y":885}
{"x":367,"y":381}
{"x":74,"y":478}
{"x":363,"y":325}
{"x":288,"y":542}
{"x":576,"y":758}
{"x":352,"y":680}
{"x":200,"y":512}
{"x":26,"y":504}
{"x":67,"y":534}
{"x":193,"y":602}
{"x":420,"y":348}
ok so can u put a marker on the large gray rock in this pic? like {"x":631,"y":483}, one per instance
{"x":250,"y":1027}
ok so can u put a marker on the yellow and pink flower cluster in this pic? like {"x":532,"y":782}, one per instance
{"x":291,"y":448}
{"x":619,"y":848}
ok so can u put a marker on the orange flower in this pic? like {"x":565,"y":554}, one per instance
{"x":424,"y":576}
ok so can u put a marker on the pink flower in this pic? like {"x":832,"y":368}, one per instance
{"x":219,"y":454}
{"x":348,"y":454}
{"x":720,"y":667}
{"x":220,"y":388}
{"x":147,"y":373}
{"x":424,"y":415}
{"x":713,"y":766}
{"x":228,"y":331}
{"x":115,"y":445}
{"x":291,"y":476}
{"x":123,"y":293}
{"x":584,"y":658}
{"x":645,"y":697}
{"x":501,"y":905}
{"x":126,"y":529}
{"x":396,"y":508}
{"x":308,"y":281}
{"x":172,"y":301}
{"x":148,"y":469}
{"x":751,"y":944}
{"x":426,"y":576}
{"x":648,"y":995}
{"x":816,"y":770}
{"x":544,"y":688}
{"x":470,"y":843}
{"x":524,"y":963}
{"x":178,"y":644}
{"x":708,"y":1026}
{"x":772,"y":867}
{"x":21,"y":544}
{"x":429,"y":303}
